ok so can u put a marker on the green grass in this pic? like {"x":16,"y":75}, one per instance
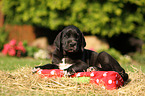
{"x":133,"y":65}
{"x":13,"y":63}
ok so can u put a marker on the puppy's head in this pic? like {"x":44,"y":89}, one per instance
{"x":70,"y":39}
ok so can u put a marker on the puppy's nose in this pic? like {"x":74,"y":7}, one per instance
{"x":72,"y":44}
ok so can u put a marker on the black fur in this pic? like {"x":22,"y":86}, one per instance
{"x":70,"y":44}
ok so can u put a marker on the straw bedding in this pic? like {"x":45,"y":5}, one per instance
{"x":23,"y":82}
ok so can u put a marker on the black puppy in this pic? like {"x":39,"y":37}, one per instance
{"x":70,"y":44}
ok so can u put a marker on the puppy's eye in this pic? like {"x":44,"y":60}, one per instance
{"x":66,"y":36}
{"x":76,"y":36}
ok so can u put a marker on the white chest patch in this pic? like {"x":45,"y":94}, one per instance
{"x":64,"y":65}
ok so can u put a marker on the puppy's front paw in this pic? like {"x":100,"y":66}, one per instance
{"x":35,"y":69}
{"x":90,"y":69}
{"x":66,"y":73}
{"x":69,"y":71}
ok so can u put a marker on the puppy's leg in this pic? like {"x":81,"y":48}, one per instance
{"x":78,"y":66}
{"x":47,"y":66}
{"x":108,"y":63}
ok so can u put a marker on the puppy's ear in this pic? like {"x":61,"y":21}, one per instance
{"x":83,"y":42}
{"x":57,"y":41}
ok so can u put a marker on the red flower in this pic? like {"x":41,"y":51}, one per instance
{"x":12,"y":52}
{"x":4,"y":51}
{"x":12,"y":49}
{"x":21,"y":47}
{"x":6,"y":48}
{"x":20,"y":44}
{"x":18,"y":53}
{"x":12,"y":42}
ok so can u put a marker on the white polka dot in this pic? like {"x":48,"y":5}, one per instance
{"x":92,"y":74}
{"x":52,"y":72}
{"x":116,"y":81}
{"x":103,"y":87}
{"x":45,"y":77}
{"x":97,"y":80}
{"x":79,"y":74}
{"x":116,"y":75}
{"x":39,"y":72}
{"x":105,"y":74}
{"x":110,"y":81}
{"x":120,"y":78}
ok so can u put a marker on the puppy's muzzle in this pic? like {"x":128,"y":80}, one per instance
{"x":72,"y":44}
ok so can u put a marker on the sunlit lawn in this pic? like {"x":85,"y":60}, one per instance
{"x":133,"y":66}
{"x":13,"y":63}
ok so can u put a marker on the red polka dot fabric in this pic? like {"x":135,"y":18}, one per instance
{"x":106,"y":79}
{"x":45,"y":73}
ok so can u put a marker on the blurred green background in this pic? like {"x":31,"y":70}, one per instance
{"x":103,"y":17}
